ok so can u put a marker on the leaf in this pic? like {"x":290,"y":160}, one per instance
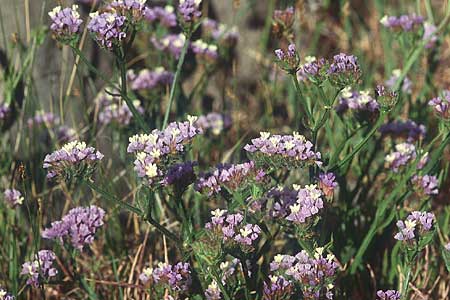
{"x":446,"y":256}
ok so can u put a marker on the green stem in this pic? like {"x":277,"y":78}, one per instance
{"x":176,"y":78}
{"x":304,"y":100}
{"x":163,"y":230}
{"x":405,"y":286}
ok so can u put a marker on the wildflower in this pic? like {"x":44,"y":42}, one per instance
{"x":362,"y":104}
{"x":288,"y":59}
{"x":75,"y":158}
{"x":113,"y":110}
{"x":213,"y":291}
{"x":205,"y":51}
{"x":146,"y":275}
{"x":415,"y":225}
{"x":214,"y":122}
{"x":4,"y":111}
{"x":175,"y":277}
{"x":441,"y":105}
{"x":13,"y":197}
{"x":388,"y":295}
{"x":283,"y":20}
{"x":147,"y":79}
{"x":344,"y":70}
{"x":77,"y":227}
{"x":39,"y":268}
{"x":4,"y":295}
{"x":277,"y":288}
{"x":308,"y":204}
{"x":425,"y":185}
{"x":108,"y":28}
{"x":403,"y":154}
{"x":327,"y":183}
{"x":447,"y":247}
{"x":173,"y":43}
{"x":285,"y":150}
{"x":406,"y":85}
{"x":65,"y":22}
{"x":429,"y":33}
{"x":233,"y":177}
{"x":408,"y":129}
{"x":42,"y":117}
{"x":134,"y":10}
{"x":165,"y":15}
{"x":189,"y":10}
{"x":402,"y":23}
{"x":180,"y":176}
{"x":313,"y":69}
{"x":223,"y":35}
{"x":386,"y":98}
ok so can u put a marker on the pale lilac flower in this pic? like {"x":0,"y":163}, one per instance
{"x":426,"y":185}
{"x":288,"y":59}
{"x":180,"y":175}
{"x":189,"y":10}
{"x":165,"y":15}
{"x":205,"y":51}
{"x":408,"y":129}
{"x":277,"y":288}
{"x":360,"y":103}
{"x":4,"y":111}
{"x":147,"y":79}
{"x":146,"y":275}
{"x":344,"y":69}
{"x":4,"y":295}
{"x":112,"y":109}
{"x":135,"y":10}
{"x":388,"y":295}
{"x":222,"y":34}
{"x":441,"y":104}
{"x":108,"y":28}
{"x":404,"y":153}
{"x":284,"y":17}
{"x":327,"y":183}
{"x":214,"y":122}
{"x":403,"y":22}
{"x":41,"y":117}
{"x":407,"y":83}
{"x":213,"y":292}
{"x":308,"y":204}
{"x":415,"y":225}
{"x":77,"y":227}
{"x":40,"y":268}
{"x":175,"y":277}
{"x":429,"y":33}
{"x":65,"y":21}
{"x":311,"y":69}
{"x":74,"y":158}
{"x":447,"y":246}
{"x":172,"y":42}
{"x":13,"y":197}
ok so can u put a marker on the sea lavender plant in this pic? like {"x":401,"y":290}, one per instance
{"x":108,"y":29}
{"x":204,"y":51}
{"x":189,"y":10}
{"x":74,"y":159}
{"x":327,"y":183}
{"x":289,"y":59}
{"x":406,"y":85}
{"x":113,"y":110}
{"x":4,"y":295}
{"x":4,"y":111}
{"x":164,"y":15}
{"x":344,"y":70}
{"x":13,"y":197}
{"x":278,"y":288}
{"x":361,"y":104}
{"x":426,"y":185}
{"x":66,"y":23}
{"x":77,"y":227}
{"x":403,"y":154}
{"x":173,"y":43}
{"x":147,"y":79}
{"x":388,"y":295}
{"x":224,"y":36}
{"x":214,"y":123}
{"x":133,"y":10}
{"x":213,"y":291}
{"x":40,"y":269}
{"x":415,"y":226}
{"x":430,"y":35}
{"x":308,"y":204}
{"x":408,"y":130}
{"x":441,"y":105}
{"x":403,"y":22}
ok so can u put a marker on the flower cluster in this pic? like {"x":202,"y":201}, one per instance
{"x":180,"y":175}
{"x":189,"y":10}
{"x":429,"y":34}
{"x":165,"y":15}
{"x":232,"y":230}
{"x":441,"y":105}
{"x":220,"y":33}
{"x":65,"y":22}
{"x":175,"y":277}
{"x":62,"y":133}
{"x":283,"y":20}
{"x":171,"y":42}
{"x":4,"y":110}
{"x":153,"y":150}
{"x":415,"y":225}
{"x":425,"y":185}
{"x":4,"y":295}
{"x":358,"y":102}
{"x":402,"y":23}
{"x":315,"y":275}
{"x":78,"y":226}
{"x":327,"y":183}
{"x":344,"y":70}
{"x":214,"y":122}
{"x":75,"y":158}
{"x":114,"y":110}
{"x":385,"y":97}
{"x":289,"y":59}
{"x":40,"y":268}
{"x":42,"y":117}
{"x":308,"y":204}
{"x":312,"y":69}
{"x":403,"y":154}
{"x":135,"y":10}
{"x":232,"y":177}
{"x":204,"y":51}
{"x":408,"y":130}
{"x":388,"y":295}
{"x":406,"y":86}
{"x":286,"y":150}
{"x":213,"y":291}
{"x":147,"y":79}
{"x":13,"y":197}
{"x":277,"y":288}
{"x":108,"y":28}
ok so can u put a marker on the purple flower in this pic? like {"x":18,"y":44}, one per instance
{"x":40,"y":268}
{"x":277,"y":288}
{"x":213,"y":292}
{"x":166,"y":16}
{"x":4,"y":295}
{"x":172,"y":43}
{"x":75,"y":158}
{"x":205,"y":51}
{"x":447,"y":246}
{"x":285,"y":17}
{"x":388,"y":295}
{"x":4,"y":111}
{"x":175,"y":277}
{"x":108,"y":28}
{"x":135,"y":10}
{"x":189,"y":10}
{"x":344,"y":69}
{"x":308,"y":204}
{"x":13,"y":197}
{"x":147,"y":79}
{"x":417,"y":223}
{"x":403,"y":22}
{"x":293,"y":150}
{"x":429,"y":33}
{"x":113,"y":109}
{"x":408,"y":129}
{"x":288,"y":59}
{"x":441,"y":104}
{"x":426,"y":185}
{"x":41,"y":117}
{"x":220,"y":32}
{"x":403,"y":154}
{"x":406,"y":86}
{"x":180,"y":175}
{"x":327,"y":183}
{"x":78,"y":226}
{"x":214,"y":122}
{"x":65,"y":22}
{"x":233,"y":177}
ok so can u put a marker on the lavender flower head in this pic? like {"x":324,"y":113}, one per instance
{"x":402,"y":23}
{"x":4,"y":111}
{"x":175,"y":277}
{"x":40,"y":268}
{"x":308,"y":204}
{"x":41,"y":117}
{"x":327,"y":183}
{"x":426,"y":185}
{"x":114,"y":110}
{"x":358,"y":102}
{"x":283,"y":18}
{"x":221,"y":33}
{"x":204,"y":51}
{"x":13,"y":197}
{"x":344,"y":70}
{"x":312,"y":69}
{"x":165,"y":15}
{"x":277,"y":288}
{"x":74,"y":159}
{"x":429,"y":34}
{"x":415,"y":225}
{"x":288,"y":59}
{"x":214,"y":122}
{"x":134,"y":10}
{"x":147,"y":79}
{"x":107,"y":28}
{"x":173,"y":43}
{"x":388,"y":295}
{"x":65,"y":22}
{"x":403,"y":154}
{"x":441,"y":105}
{"x":189,"y":10}
{"x":213,"y":291}
{"x":77,"y":227}
{"x":4,"y":295}
{"x":155,"y":149}
{"x":409,"y":130}
{"x":180,"y":176}
{"x":406,"y":86}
